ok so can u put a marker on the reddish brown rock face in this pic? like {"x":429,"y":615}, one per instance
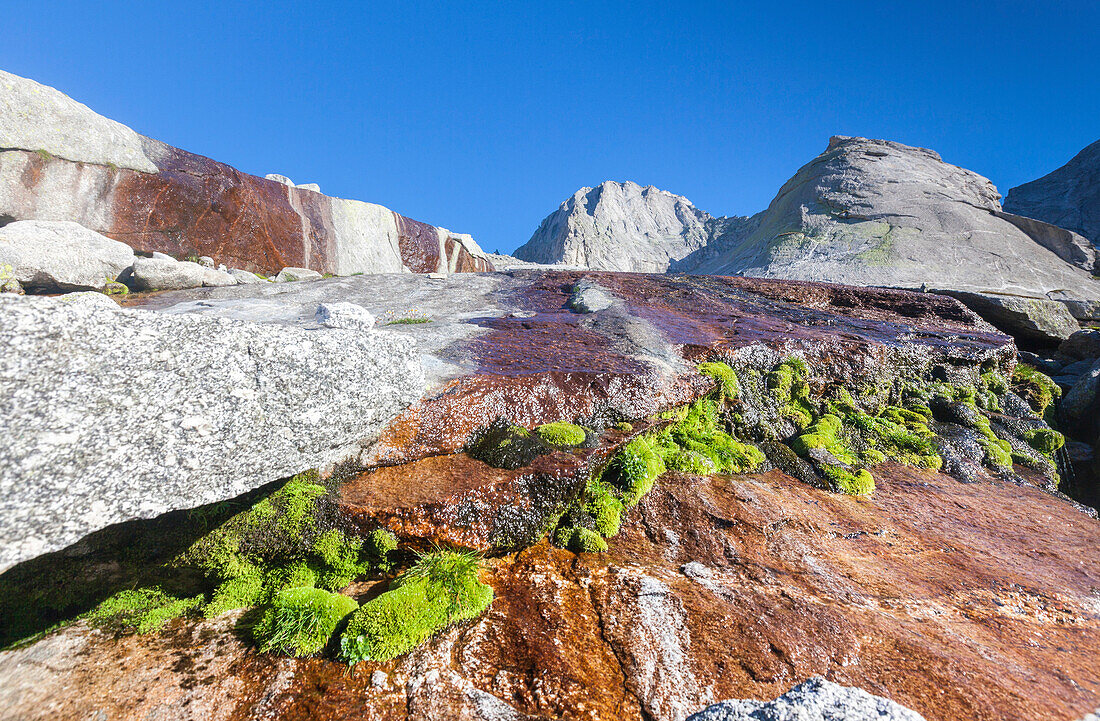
{"x":198,"y":206}
{"x":555,"y":364}
{"x":961,"y":601}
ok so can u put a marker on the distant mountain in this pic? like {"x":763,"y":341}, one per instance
{"x":1068,"y":197}
{"x":864,"y":212}
{"x":621,"y":226}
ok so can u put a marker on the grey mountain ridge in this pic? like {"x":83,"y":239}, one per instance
{"x":864,"y":212}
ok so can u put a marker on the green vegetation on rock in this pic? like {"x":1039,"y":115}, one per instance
{"x":561,"y":434}
{"x":143,"y":610}
{"x":409,"y":321}
{"x":725,"y":376}
{"x":1035,"y":387}
{"x":286,"y":540}
{"x":442,"y":588}
{"x":787,"y":385}
{"x":300,"y":620}
{"x":696,"y":444}
{"x":695,"y":441}
{"x":1045,"y":440}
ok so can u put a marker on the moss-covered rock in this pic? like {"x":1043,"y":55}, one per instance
{"x":286,"y":540}
{"x":503,"y":445}
{"x":300,"y":621}
{"x":726,"y":377}
{"x":561,"y":434}
{"x":440,"y":589}
{"x":143,"y":610}
{"x":1039,"y":390}
{"x":1045,"y":440}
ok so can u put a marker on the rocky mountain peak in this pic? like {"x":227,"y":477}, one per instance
{"x":1068,"y":197}
{"x":619,"y":226}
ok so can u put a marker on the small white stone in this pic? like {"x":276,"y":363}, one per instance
{"x":344,"y":315}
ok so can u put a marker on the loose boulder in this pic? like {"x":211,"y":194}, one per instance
{"x":115,"y":414}
{"x":1032,"y":320}
{"x":813,"y":700}
{"x":287,"y":275}
{"x":52,"y":256}
{"x":345,"y":315}
{"x":167,"y":274}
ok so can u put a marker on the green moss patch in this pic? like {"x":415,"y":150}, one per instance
{"x":300,"y":621}
{"x":726,"y":377}
{"x":143,"y":610}
{"x":1037,"y":389}
{"x":561,"y":434}
{"x":287,"y":540}
{"x":442,"y":588}
{"x":696,"y":441}
{"x":1045,"y":440}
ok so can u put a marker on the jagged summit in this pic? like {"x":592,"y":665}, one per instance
{"x":620,"y":226}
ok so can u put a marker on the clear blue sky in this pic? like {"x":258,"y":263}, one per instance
{"x":483,"y":117}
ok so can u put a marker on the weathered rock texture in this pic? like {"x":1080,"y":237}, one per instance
{"x":154,"y":197}
{"x":115,"y":414}
{"x":957,"y":600}
{"x":57,"y":256}
{"x":620,"y":226}
{"x":1069,"y":197}
{"x":864,"y":212}
{"x":874,"y":212}
{"x":814,"y":700}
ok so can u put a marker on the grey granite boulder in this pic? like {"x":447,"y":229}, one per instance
{"x":114,"y":414}
{"x":1068,"y":197}
{"x":1080,"y":402}
{"x":244,"y":277}
{"x":1035,"y":320}
{"x":287,"y":275}
{"x":1082,"y":344}
{"x":167,"y":274}
{"x":53,"y":255}
{"x":215,"y":278}
{"x":813,"y":700}
{"x":38,"y":117}
{"x":345,"y":315}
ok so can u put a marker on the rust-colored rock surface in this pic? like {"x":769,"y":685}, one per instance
{"x":961,"y":601}
{"x":549,"y":362}
{"x":195,"y":206}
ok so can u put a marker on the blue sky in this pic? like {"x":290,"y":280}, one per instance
{"x":483,"y":117}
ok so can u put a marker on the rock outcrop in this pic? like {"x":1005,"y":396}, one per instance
{"x":1068,"y":197}
{"x":864,"y":212}
{"x":61,"y":161}
{"x":814,"y":700}
{"x":620,"y":226}
{"x":53,"y":256}
{"x":708,"y":585}
{"x":117,"y":414}
{"x":874,"y":212}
